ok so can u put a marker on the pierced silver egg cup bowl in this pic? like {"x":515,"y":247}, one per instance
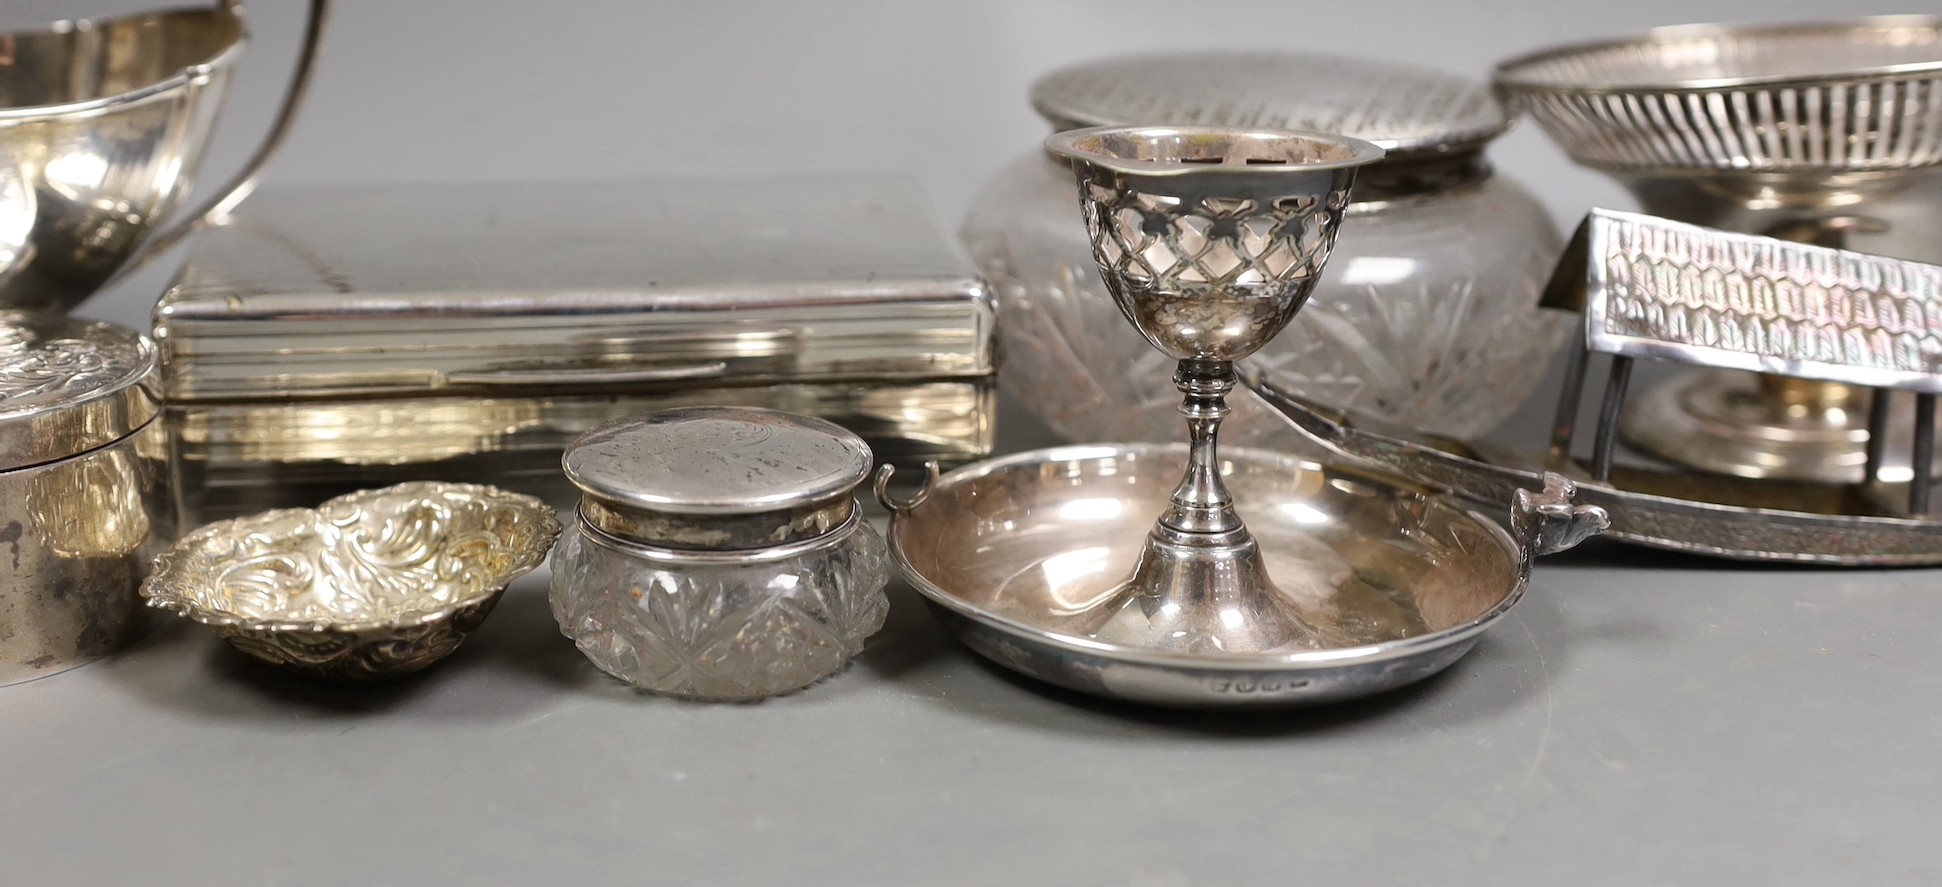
{"x":369,"y":586}
{"x":1209,"y":240}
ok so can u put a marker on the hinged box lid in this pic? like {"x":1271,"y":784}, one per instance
{"x":431,"y":288}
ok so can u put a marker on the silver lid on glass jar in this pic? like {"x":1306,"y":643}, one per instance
{"x":68,"y":386}
{"x":717,"y":478}
{"x":1432,"y":125}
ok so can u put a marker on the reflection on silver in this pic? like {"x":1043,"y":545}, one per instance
{"x":1401,"y":579}
{"x":79,"y":534}
{"x":368,"y":586}
{"x":87,"y":508}
{"x":105,"y":121}
{"x":17,"y":213}
{"x":241,"y":458}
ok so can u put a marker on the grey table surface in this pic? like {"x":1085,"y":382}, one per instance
{"x":1639,"y":719}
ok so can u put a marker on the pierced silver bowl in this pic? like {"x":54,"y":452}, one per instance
{"x":368,"y":586}
{"x":1805,"y":99}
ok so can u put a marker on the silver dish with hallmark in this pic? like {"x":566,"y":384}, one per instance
{"x":1015,"y":556}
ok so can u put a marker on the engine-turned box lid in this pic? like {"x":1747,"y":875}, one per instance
{"x":377,"y":290}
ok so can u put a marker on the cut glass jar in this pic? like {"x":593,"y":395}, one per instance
{"x":720,"y":552}
{"x":1427,"y":316}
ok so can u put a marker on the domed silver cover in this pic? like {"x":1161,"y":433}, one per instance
{"x":1403,"y":109}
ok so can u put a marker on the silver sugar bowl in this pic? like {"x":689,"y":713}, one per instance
{"x":1428,"y":316}
{"x":83,"y":504}
{"x":103,"y":123}
{"x":720,"y":552}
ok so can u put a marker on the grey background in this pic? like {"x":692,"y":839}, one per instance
{"x":445,"y":90}
{"x":1639,"y":719}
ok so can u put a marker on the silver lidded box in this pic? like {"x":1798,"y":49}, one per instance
{"x":354,"y":336}
{"x":82,"y":505}
{"x":720,"y":553}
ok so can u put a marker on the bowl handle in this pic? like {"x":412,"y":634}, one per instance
{"x":882,"y":488}
{"x":1548,"y":521}
{"x":239,"y":187}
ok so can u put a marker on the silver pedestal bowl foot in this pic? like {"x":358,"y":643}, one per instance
{"x":1762,"y":426}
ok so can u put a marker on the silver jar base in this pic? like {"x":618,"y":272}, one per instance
{"x":721,"y":625}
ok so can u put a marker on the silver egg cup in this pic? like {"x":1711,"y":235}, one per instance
{"x":1051,"y":562}
{"x":1209,"y":240}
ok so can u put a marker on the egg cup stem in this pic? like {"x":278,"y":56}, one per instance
{"x":1200,"y":584}
{"x":1201,"y":503}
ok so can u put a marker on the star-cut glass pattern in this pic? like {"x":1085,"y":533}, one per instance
{"x":721,"y":630}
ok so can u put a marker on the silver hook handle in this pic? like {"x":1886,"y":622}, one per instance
{"x":1548,"y":521}
{"x":882,"y":488}
{"x":238,"y":188}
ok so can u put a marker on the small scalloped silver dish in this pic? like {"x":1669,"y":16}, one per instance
{"x":366,"y":587}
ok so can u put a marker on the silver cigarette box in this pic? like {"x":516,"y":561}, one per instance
{"x":338,"y":337}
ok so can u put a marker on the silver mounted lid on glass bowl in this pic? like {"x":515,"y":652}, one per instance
{"x":1413,"y":114}
{"x":719,"y":552}
{"x":1428,"y":318}
{"x":716,"y":478}
{"x":68,"y":386}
